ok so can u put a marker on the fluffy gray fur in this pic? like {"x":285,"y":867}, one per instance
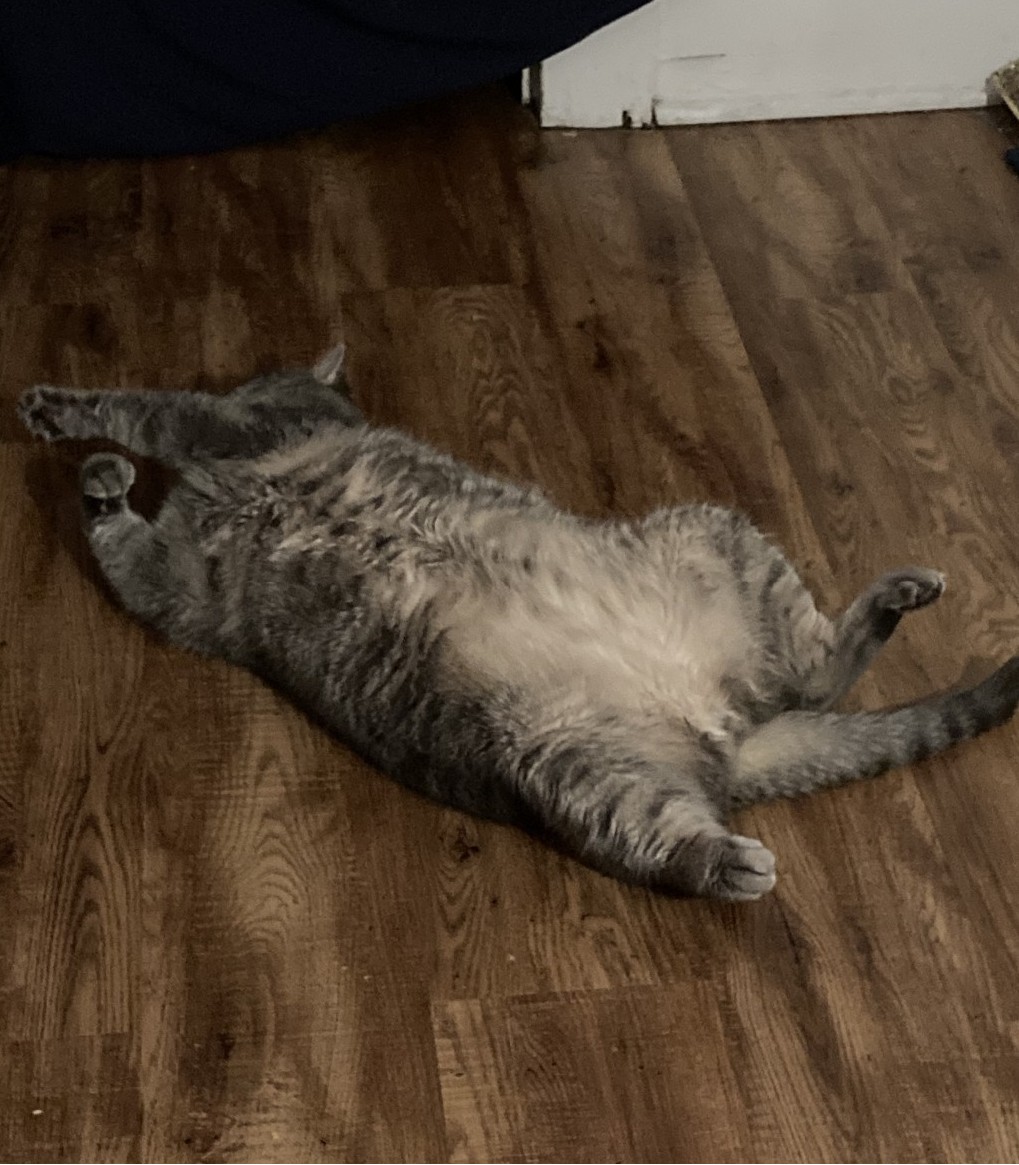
{"x":618,"y":686}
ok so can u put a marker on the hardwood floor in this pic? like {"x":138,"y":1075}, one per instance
{"x":225,"y":938}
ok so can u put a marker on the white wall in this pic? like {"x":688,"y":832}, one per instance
{"x":679,"y":61}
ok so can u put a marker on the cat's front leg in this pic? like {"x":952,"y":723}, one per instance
{"x":60,"y":414}
{"x":131,"y":552}
{"x":146,"y":422}
{"x":173,"y":427}
{"x":106,"y":479}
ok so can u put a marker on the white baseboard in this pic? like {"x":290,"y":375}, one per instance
{"x":678,"y":62}
{"x":772,"y":107}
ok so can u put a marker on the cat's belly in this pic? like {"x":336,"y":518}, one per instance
{"x":626,"y":643}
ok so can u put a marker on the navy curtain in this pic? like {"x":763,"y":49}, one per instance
{"x":142,"y":77}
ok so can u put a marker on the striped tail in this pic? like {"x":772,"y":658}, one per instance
{"x":799,"y":752}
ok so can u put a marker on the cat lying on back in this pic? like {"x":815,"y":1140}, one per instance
{"x":620,"y":686}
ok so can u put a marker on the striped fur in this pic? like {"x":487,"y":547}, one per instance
{"x":617,"y":686}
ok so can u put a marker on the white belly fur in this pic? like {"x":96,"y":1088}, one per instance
{"x":629,"y":634}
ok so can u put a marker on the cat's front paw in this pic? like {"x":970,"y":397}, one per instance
{"x":44,"y":411}
{"x":105,"y":481}
{"x":911,"y":588}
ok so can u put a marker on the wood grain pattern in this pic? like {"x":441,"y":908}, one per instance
{"x":227,"y":939}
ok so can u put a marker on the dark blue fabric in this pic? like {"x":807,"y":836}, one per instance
{"x":136,"y":77}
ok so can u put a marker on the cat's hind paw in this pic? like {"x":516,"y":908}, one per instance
{"x":105,"y":481}
{"x":741,"y":869}
{"x":911,"y":588}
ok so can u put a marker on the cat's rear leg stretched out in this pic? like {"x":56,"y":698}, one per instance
{"x":810,"y":747}
{"x":799,"y":752}
{"x":640,"y":821}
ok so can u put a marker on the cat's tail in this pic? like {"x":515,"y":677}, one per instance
{"x":798,"y":752}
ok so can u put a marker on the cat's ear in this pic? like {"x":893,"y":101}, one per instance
{"x":329,"y":370}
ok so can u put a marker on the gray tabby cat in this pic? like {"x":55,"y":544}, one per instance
{"x":618,"y":686}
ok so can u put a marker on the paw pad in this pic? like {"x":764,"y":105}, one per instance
{"x":38,"y":411}
{"x":107,"y":477}
{"x":908,"y":590}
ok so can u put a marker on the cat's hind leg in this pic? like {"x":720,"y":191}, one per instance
{"x":865,"y":627}
{"x":819,"y":659}
{"x":645,"y":823}
{"x":721,"y":865}
{"x":798,"y":752}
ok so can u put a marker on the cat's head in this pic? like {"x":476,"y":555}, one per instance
{"x":327,"y":372}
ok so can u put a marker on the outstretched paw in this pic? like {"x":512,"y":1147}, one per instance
{"x":47,"y":412}
{"x":910,"y":589}
{"x":105,"y":481}
{"x":740,"y":869}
